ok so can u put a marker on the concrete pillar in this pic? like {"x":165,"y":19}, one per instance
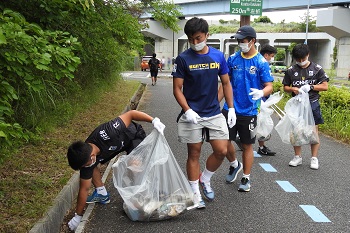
{"x":343,"y":57}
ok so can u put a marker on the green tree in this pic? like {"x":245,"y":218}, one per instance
{"x":311,"y":23}
{"x":31,"y":59}
{"x":42,"y":45}
{"x":262,"y":19}
{"x":280,"y":55}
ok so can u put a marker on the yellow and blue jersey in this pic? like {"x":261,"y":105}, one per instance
{"x":246,"y":73}
{"x":200,"y":73}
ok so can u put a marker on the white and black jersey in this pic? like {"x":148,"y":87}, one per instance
{"x":296,"y":76}
{"x":112,"y":138}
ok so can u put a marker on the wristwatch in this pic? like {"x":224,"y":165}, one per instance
{"x":311,"y":87}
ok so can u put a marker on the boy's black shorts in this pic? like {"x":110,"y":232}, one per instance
{"x":245,"y":126}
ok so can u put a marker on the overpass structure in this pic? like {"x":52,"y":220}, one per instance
{"x":334,"y":21}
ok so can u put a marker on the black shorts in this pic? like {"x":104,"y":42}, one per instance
{"x":154,"y":73}
{"x":245,"y":126}
{"x":316,"y":111}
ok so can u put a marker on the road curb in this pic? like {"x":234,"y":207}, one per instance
{"x":53,"y":218}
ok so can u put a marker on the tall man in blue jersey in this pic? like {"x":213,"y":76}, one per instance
{"x":249,"y":72}
{"x":195,"y":87}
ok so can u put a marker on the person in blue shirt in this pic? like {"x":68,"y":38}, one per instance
{"x":249,"y":72}
{"x":195,"y":88}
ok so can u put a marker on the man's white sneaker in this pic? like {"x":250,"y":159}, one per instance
{"x":297,"y":160}
{"x":314,"y":163}
{"x":198,"y":201}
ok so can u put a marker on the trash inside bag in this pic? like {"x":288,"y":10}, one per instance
{"x":297,"y":127}
{"x":151,"y":182}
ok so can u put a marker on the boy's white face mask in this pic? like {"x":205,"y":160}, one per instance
{"x":245,"y":47}
{"x":303,"y":63}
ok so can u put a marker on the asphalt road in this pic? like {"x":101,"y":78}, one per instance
{"x":282,"y":198}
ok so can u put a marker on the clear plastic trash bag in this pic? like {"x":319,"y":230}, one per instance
{"x":297,"y":126}
{"x":264,"y":121}
{"x":151,"y":182}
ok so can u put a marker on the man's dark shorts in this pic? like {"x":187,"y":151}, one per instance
{"x":244,"y":126}
{"x":154,"y":73}
{"x":316,"y":111}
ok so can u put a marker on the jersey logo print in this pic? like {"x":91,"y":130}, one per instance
{"x":252,"y":70}
{"x":311,"y":73}
{"x":204,"y":66}
{"x":104,"y":135}
{"x":116,"y":147}
{"x":116,"y":125}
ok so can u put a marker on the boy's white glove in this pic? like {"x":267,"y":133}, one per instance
{"x":299,"y":96}
{"x":158,"y":125}
{"x":231,"y":117}
{"x":74,"y":222}
{"x":256,"y":93}
{"x":305,"y":88}
{"x":191,"y":116}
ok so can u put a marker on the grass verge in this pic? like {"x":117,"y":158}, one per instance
{"x":31,"y":179}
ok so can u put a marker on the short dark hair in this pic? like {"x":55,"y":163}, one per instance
{"x":78,"y":154}
{"x":300,"y":51}
{"x":267,"y":49}
{"x":154,"y":55}
{"x":196,"y":25}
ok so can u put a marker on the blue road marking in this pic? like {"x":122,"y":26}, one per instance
{"x":256,"y":155}
{"x":314,"y":213}
{"x":286,"y":186}
{"x":267,"y":167}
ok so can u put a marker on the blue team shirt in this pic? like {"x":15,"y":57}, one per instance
{"x":200,"y":73}
{"x":246,"y":73}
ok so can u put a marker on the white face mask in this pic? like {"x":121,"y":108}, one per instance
{"x":245,"y":47}
{"x":303,"y":63}
{"x":272,"y":59}
{"x":198,"y":47}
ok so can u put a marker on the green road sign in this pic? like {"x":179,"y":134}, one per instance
{"x":246,"y":7}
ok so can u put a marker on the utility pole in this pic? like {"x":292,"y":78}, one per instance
{"x":307,"y":21}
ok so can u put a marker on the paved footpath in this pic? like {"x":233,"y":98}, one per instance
{"x":282,"y":198}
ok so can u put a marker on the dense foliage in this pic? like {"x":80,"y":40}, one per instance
{"x":52,"y":50}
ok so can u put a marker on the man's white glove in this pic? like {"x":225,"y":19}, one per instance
{"x":231,"y":117}
{"x":191,"y":116}
{"x":305,"y":88}
{"x":158,"y":125}
{"x":256,"y":93}
{"x":74,"y":222}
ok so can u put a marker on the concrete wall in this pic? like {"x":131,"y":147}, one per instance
{"x":336,"y":22}
{"x":321,"y":44}
{"x":343,"y":67}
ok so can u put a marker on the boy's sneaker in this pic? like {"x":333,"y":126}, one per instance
{"x":207,"y":190}
{"x":98,"y":198}
{"x":314,"y":163}
{"x":198,"y":201}
{"x":245,"y":185}
{"x":297,"y":160}
{"x":265,"y":151}
{"x":232,"y":175}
